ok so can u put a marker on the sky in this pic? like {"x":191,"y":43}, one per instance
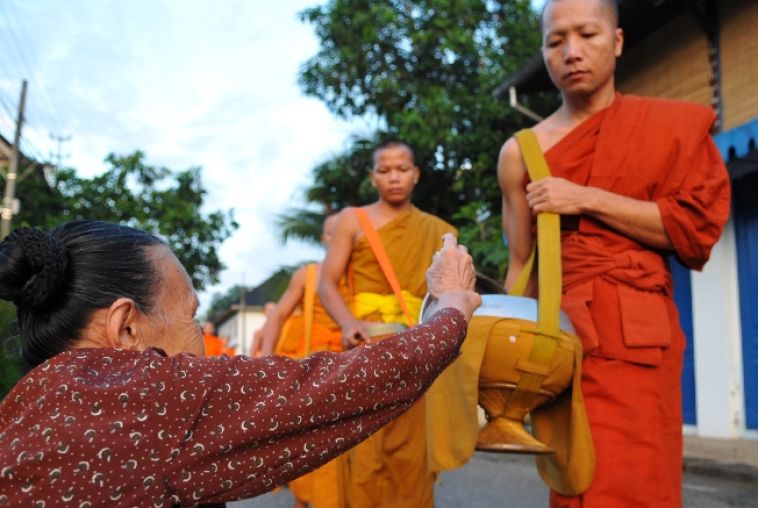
{"x":191,"y":83}
{"x":198,"y":82}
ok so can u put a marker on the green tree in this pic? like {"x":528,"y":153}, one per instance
{"x":132,"y":192}
{"x":158,"y":200}
{"x":427,"y":70}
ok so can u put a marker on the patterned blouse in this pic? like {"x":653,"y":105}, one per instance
{"x":105,"y":427}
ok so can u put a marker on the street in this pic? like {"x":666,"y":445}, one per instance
{"x":493,"y":480}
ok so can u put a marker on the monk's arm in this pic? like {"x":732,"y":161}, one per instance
{"x":637,"y":219}
{"x":284,"y":308}
{"x":332,"y":270}
{"x":517,"y":218}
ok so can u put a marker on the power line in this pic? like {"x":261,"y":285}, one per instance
{"x":45,"y":96}
{"x":18,"y":44}
{"x":5,"y":106}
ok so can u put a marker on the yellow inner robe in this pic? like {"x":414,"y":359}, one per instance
{"x":390,"y":469}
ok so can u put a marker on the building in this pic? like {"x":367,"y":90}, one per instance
{"x":704,"y":51}
{"x":239,"y":320}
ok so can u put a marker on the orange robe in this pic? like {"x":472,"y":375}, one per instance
{"x":216,"y":346}
{"x":389,"y":469}
{"x":322,"y":487}
{"x":618,"y":292}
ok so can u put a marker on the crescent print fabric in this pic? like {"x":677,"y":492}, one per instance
{"x":104,"y":427}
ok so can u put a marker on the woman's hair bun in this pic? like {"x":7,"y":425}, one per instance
{"x":46,"y":259}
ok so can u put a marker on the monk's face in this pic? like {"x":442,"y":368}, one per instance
{"x":394,"y":174}
{"x":171,"y":324}
{"x":580,"y":45}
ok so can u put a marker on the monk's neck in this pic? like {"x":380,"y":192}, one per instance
{"x":387,"y":209}
{"x":577,"y":108}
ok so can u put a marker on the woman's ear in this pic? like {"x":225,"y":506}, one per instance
{"x":122,"y":324}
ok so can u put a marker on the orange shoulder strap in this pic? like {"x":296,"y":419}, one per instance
{"x":309,"y":300}
{"x":377,"y":247}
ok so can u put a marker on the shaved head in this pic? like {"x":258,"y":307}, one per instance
{"x":611,"y":6}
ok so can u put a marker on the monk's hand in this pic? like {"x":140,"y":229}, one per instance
{"x":556,"y":195}
{"x":451,"y":277}
{"x":354,"y":334}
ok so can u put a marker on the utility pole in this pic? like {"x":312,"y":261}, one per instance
{"x":59,"y":154}
{"x":10,"y":204}
{"x":242,"y":343}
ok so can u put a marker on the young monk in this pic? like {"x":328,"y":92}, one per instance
{"x":320,"y":488}
{"x":635,"y":179}
{"x":390,"y":468}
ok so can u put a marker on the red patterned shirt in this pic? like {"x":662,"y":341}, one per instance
{"x":105,"y":427}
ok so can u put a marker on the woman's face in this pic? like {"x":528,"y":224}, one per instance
{"x":171,"y":324}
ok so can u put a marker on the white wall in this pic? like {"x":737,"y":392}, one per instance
{"x":240,"y":331}
{"x":718,"y":342}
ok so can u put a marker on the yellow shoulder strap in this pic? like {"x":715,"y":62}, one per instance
{"x":309,"y":300}
{"x":377,"y":247}
{"x":550,"y":283}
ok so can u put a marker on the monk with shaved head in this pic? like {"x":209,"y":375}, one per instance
{"x":634,"y":180}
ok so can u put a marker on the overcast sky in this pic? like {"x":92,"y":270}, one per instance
{"x":209,"y":83}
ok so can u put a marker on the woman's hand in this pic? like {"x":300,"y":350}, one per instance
{"x":451,"y":277}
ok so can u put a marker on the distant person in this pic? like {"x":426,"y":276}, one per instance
{"x":121,"y":408}
{"x":634,"y":180}
{"x":313,"y":331}
{"x":390,"y":468}
{"x":214,"y":346}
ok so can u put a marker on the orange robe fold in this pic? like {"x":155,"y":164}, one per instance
{"x":216,"y":346}
{"x":389,"y":469}
{"x":321,"y":488}
{"x":618,"y":292}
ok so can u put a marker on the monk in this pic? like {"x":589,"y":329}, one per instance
{"x":313,"y":331}
{"x":390,"y":468}
{"x":634,"y":179}
{"x":257,"y":345}
{"x":214,"y":346}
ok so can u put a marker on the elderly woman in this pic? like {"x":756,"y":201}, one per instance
{"x":121,"y":409}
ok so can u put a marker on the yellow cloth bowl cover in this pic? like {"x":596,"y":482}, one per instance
{"x":452,"y":423}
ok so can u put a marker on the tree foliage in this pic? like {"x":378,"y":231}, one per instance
{"x":131,"y":192}
{"x":427,"y":70}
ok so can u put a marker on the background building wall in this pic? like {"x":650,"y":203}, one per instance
{"x":739,"y":60}
{"x":671,"y":63}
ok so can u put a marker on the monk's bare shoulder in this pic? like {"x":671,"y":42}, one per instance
{"x":347,"y":225}
{"x":511,"y":170}
{"x":298,"y":278}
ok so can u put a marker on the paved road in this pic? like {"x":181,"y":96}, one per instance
{"x":492,"y":480}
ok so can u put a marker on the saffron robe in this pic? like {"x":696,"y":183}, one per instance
{"x":618,"y":292}
{"x":326,"y":335}
{"x":390,"y":468}
{"x":320,"y":488}
{"x":107,"y":427}
{"x":216,"y":346}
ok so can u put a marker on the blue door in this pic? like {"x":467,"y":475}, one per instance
{"x":683,"y":298}
{"x":746,"y":229}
